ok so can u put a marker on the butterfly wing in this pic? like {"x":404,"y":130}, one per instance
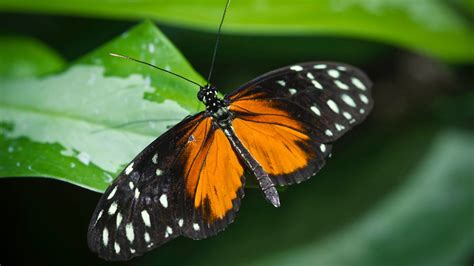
{"x":289,"y":117}
{"x":177,"y":186}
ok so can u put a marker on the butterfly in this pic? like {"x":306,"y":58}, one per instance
{"x":189,"y":181}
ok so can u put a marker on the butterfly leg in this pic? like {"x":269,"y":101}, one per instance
{"x":264,"y":181}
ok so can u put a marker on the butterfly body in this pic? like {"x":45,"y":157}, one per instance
{"x":189,"y":181}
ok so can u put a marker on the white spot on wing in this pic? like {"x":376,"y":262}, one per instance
{"x":105,"y":236}
{"x":296,"y":68}
{"x":112,"y":193}
{"x":315,"y":110}
{"x":137,"y":193}
{"x":347,"y":115}
{"x":164,"y":200}
{"x":339,"y":127}
{"x":119,"y":219}
{"x":146,"y":218}
{"x":317,"y":84}
{"x":364,"y":98}
{"x":180,"y":222}
{"x":282,"y":82}
{"x":98,"y":216}
{"x":154,"y":159}
{"x":129,"y":168}
{"x":323,"y":148}
{"x":333,"y":106}
{"x":309,"y":75}
{"x":117,"y":248}
{"x":132,"y":251}
{"x":348,"y":100}
{"x":129,"y":232}
{"x":341,"y":85}
{"x":158,"y":172}
{"x":328,"y":132}
{"x":292,"y":91}
{"x":130,"y":185}
{"x":196,"y":227}
{"x":169,"y":230}
{"x":362,"y":111}
{"x":320,"y":66}
{"x":342,"y":68}
{"x":146,"y":237}
{"x":112,"y":208}
{"x":358,"y":84}
{"x":333,"y":73}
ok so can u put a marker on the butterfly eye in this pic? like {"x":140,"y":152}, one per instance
{"x":201,"y":95}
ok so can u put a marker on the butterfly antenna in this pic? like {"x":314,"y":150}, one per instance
{"x":217,"y":42}
{"x":153,"y":66}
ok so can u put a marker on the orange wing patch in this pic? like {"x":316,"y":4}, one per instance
{"x":212,"y":171}
{"x":277,"y":141}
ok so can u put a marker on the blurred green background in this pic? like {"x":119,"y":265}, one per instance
{"x":399,"y":189}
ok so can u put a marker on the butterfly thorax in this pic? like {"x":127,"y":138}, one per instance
{"x":215,"y":106}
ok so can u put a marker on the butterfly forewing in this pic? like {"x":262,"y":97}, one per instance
{"x":289,"y":117}
{"x":168,"y":190}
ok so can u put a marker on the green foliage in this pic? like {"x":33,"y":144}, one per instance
{"x":63,"y":126}
{"x":427,"y":26}
{"x":25,"y":57}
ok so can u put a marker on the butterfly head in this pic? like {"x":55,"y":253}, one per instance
{"x":208,"y":95}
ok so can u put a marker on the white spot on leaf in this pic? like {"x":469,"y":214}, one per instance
{"x":84,"y":158}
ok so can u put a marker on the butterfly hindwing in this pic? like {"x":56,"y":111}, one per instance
{"x":168,"y":190}
{"x":289,"y":117}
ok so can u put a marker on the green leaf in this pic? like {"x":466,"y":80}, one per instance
{"x":26,"y":57}
{"x":427,"y":221}
{"x":428,"y":26}
{"x":63,"y":126}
